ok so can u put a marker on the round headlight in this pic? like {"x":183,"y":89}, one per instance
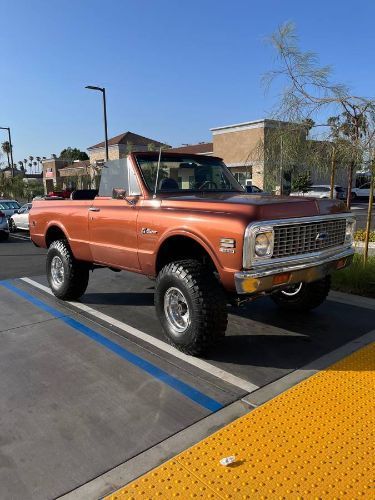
{"x":263,"y":244}
{"x":350,"y":229}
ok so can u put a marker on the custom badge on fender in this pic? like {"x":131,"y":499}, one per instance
{"x":227,"y":245}
{"x":147,"y":230}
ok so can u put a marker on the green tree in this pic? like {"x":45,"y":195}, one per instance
{"x":5,"y":146}
{"x":301,"y":182}
{"x":310,"y":93}
{"x":71,"y":154}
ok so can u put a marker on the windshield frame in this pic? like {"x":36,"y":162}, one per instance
{"x":201,"y":159}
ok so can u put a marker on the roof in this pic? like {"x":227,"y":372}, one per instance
{"x":263,"y":123}
{"x":201,"y":148}
{"x":168,"y":152}
{"x":77,"y":164}
{"x":128,"y":137}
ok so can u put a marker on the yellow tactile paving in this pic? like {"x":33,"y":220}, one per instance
{"x":317,"y":440}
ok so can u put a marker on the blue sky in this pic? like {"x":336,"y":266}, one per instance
{"x":172,"y":69}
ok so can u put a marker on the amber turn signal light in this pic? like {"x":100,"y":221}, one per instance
{"x":279,"y":279}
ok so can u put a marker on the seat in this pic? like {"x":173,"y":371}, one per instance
{"x":168,"y":184}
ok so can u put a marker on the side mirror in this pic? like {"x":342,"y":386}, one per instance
{"x":119,"y":193}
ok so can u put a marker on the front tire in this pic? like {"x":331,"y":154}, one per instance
{"x":67,"y":277}
{"x":12,"y":226}
{"x":191,"y":306}
{"x":303,"y":296}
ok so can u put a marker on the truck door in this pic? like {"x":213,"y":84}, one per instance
{"x":113,"y":217}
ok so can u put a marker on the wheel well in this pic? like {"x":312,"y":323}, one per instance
{"x":54,"y":233}
{"x":182,"y":247}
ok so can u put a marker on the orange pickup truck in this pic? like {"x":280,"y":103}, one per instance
{"x":185,"y":220}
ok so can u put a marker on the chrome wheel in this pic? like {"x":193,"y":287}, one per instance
{"x":176,"y":310}
{"x":292,"y":290}
{"x":57,"y":271}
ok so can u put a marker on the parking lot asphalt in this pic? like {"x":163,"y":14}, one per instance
{"x":87,"y":386}
{"x":359,"y":208}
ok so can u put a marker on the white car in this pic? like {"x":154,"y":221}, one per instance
{"x":361,"y":191}
{"x":322,"y":191}
{"x":20,"y":220}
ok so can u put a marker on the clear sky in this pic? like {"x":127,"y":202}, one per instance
{"x":173,"y":69}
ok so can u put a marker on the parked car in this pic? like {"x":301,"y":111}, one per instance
{"x":185,"y":220}
{"x":255,"y":190}
{"x":20,"y":219}
{"x":322,"y":191}
{"x":9,"y":207}
{"x":4,"y":230}
{"x":362,"y":191}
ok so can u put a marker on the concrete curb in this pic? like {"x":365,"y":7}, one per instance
{"x":360,"y":244}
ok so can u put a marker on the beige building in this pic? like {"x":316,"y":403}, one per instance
{"x":61,"y":174}
{"x":121,"y":145}
{"x":241,"y":146}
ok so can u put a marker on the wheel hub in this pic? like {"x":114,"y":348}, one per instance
{"x":57,"y":270}
{"x":176,"y":310}
{"x":292,"y":290}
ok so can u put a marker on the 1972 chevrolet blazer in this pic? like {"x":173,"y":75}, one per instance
{"x":185,"y":220}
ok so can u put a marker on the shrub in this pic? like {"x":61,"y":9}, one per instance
{"x":358,"y":278}
{"x":360,"y":235}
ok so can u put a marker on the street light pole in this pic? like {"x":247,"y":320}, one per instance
{"x":102,"y":90}
{"x":11,"y":149}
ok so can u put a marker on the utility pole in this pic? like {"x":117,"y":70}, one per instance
{"x":102,"y":90}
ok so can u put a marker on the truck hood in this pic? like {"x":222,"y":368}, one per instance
{"x":257,"y":207}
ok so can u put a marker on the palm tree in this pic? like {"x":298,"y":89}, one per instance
{"x":6,"y":148}
{"x":35,"y":165}
{"x":22,"y":168}
{"x":53,"y":156}
{"x":38,"y":158}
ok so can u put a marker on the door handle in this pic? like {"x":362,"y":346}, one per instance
{"x":94,"y":209}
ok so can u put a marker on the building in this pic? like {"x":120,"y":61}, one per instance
{"x":242,"y":147}
{"x":121,"y":145}
{"x":61,"y":174}
{"x":202,"y":148}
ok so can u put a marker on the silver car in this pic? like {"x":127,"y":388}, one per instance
{"x":4,"y":230}
{"x":9,"y":207}
{"x":322,"y":191}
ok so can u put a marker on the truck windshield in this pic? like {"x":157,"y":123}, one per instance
{"x":186,"y":174}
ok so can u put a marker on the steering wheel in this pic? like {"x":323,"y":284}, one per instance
{"x":209,"y":183}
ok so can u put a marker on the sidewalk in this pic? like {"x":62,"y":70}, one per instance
{"x":316,"y":440}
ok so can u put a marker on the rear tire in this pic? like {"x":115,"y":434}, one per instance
{"x":191,"y":306}
{"x":307,"y":297}
{"x":67,"y":277}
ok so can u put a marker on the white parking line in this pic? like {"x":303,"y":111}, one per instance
{"x":20,"y":237}
{"x":199,"y":363}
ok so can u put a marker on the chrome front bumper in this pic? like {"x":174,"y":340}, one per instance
{"x":307,"y":269}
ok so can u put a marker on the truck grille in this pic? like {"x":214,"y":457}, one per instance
{"x":310,"y":237}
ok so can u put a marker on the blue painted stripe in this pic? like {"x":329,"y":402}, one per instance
{"x":185,"y":389}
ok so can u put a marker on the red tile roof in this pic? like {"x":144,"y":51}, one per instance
{"x":202,"y":148}
{"x":128,"y":137}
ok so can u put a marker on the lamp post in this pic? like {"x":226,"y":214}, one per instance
{"x":10,"y":147}
{"x":102,"y":90}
